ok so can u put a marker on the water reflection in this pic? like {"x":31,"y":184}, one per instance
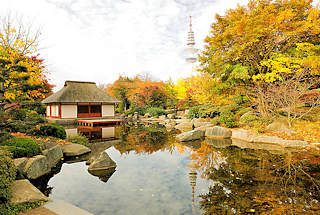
{"x":259,"y":182}
{"x":156,"y":175}
{"x":95,"y":133}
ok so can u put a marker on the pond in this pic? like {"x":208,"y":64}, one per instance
{"x":156,"y":175}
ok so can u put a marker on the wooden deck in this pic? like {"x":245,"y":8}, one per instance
{"x":99,"y":122}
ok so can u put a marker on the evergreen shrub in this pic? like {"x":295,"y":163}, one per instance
{"x":33,"y":116}
{"x":7,"y":175}
{"x":79,"y":139}
{"x":22,"y":147}
{"x":193,"y":112}
{"x":20,"y":126}
{"x":19,"y":114}
{"x":53,"y":130}
{"x":156,"y":111}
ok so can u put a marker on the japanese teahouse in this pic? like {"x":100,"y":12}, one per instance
{"x":80,"y":100}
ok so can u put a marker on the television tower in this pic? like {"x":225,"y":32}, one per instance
{"x":191,"y":51}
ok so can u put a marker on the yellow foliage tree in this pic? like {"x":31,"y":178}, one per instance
{"x":22,"y":74}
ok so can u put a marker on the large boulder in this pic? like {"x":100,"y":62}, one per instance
{"x":185,"y":126}
{"x":20,"y":164}
{"x":241,"y":134}
{"x":53,"y":155}
{"x":190,"y":135}
{"x":102,"y":162}
{"x":280,"y":126}
{"x":36,"y":166}
{"x":218,"y":131}
{"x":74,"y":150}
{"x":24,"y":192}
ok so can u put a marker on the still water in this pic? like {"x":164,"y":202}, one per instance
{"x":156,"y":175}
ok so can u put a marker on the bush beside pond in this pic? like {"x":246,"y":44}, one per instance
{"x":53,"y":130}
{"x":79,"y":139}
{"x":7,"y":175}
{"x":22,"y":147}
{"x":156,"y":111}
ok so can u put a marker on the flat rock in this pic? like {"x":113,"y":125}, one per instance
{"x":74,"y":150}
{"x":294,"y":143}
{"x":36,"y":166}
{"x":190,"y":135}
{"x":102,"y":162}
{"x":24,"y":192}
{"x":64,"y":208}
{"x":53,"y":155}
{"x":184,"y":125}
{"x":268,"y":139}
{"x":218,"y":131}
{"x":241,"y":134}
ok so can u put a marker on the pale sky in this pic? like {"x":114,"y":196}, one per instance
{"x":97,"y":40}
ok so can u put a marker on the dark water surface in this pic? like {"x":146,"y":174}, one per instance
{"x":156,"y":175}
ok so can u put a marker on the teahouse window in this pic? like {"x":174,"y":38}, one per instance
{"x":95,"y":109}
{"x":83,"y":108}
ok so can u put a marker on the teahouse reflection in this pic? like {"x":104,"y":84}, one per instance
{"x":94,"y":133}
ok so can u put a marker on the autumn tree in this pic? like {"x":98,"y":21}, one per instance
{"x":22,"y":73}
{"x":152,"y":96}
{"x":138,"y":91}
{"x":241,"y":43}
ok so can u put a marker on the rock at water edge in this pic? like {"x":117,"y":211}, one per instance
{"x":241,"y":134}
{"x":24,"y":192}
{"x":102,"y":162}
{"x":36,"y":166}
{"x":53,"y":155}
{"x":218,"y":131}
{"x":190,"y":135}
{"x":20,"y":164}
{"x":74,"y":150}
{"x":184,"y":125}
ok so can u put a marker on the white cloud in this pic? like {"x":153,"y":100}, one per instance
{"x":97,"y":40}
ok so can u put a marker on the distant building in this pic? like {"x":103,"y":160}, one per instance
{"x":80,"y":100}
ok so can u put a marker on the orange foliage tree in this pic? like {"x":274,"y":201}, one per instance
{"x":22,"y":73}
{"x":138,"y":91}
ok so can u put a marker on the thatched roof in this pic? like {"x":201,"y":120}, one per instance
{"x":79,"y":92}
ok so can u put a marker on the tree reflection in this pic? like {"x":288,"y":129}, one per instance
{"x":258,"y":182}
{"x":143,"y":139}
